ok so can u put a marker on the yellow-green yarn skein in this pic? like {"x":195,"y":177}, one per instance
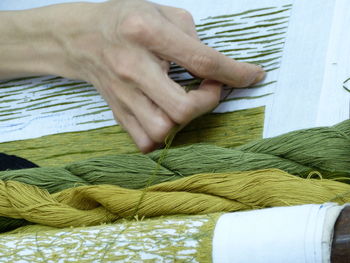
{"x":197,"y":194}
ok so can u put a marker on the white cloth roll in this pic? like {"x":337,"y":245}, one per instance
{"x":282,"y":234}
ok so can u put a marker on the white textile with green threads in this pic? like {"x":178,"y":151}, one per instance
{"x":170,"y":239}
{"x":266,"y":235}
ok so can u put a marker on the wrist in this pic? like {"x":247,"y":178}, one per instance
{"x":25,"y":44}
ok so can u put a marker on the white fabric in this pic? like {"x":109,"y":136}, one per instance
{"x":283,"y":234}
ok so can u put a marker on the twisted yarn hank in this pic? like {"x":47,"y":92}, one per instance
{"x":197,"y":194}
{"x":317,"y":149}
{"x":324,"y":149}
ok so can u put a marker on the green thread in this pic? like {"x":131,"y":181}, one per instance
{"x":344,"y":86}
{"x":168,"y":141}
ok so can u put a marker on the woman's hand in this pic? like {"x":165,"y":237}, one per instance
{"x":123,"y":47}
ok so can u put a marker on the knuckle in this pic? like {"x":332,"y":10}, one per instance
{"x":125,"y":66}
{"x":125,"y":72}
{"x":134,"y":25}
{"x":204,"y":65}
{"x":138,"y":27}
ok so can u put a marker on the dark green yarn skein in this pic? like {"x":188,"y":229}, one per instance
{"x":324,"y":149}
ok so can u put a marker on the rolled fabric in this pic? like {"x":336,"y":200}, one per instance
{"x":281,"y":234}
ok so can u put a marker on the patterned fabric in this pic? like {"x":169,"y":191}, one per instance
{"x":171,"y":239}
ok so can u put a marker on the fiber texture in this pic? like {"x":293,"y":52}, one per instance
{"x":325,"y":150}
{"x":226,"y":129}
{"x":12,"y":162}
{"x":193,"y":195}
{"x":167,"y":239}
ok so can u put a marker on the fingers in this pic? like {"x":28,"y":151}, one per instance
{"x":207,"y":96}
{"x":165,"y":65}
{"x":149,"y":125}
{"x":129,"y":123}
{"x":151,"y":118}
{"x":135,"y":130}
{"x":202,"y":60}
{"x":115,"y":93}
{"x":148,"y":103}
{"x":172,"y":99}
{"x":171,"y":43}
{"x":127,"y":91}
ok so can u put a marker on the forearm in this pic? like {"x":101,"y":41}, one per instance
{"x":32,"y":42}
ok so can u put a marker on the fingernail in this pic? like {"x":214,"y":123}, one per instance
{"x":260,"y":76}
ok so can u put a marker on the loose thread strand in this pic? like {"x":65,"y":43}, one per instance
{"x":168,"y":141}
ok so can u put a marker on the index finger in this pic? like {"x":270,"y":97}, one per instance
{"x":203,"y":61}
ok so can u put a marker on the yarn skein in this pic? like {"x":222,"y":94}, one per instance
{"x":324,"y":149}
{"x":329,"y":150}
{"x":12,"y":162}
{"x":197,"y":194}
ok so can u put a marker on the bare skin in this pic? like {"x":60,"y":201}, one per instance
{"x":123,"y":48}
